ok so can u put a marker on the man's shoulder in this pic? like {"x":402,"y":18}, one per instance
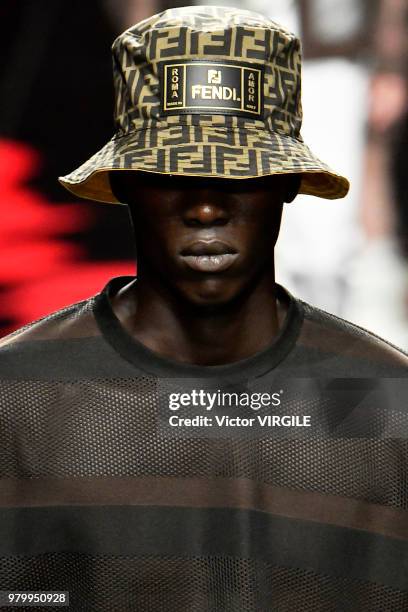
{"x":73,"y":320}
{"x":53,"y":345}
{"x":332,"y":335}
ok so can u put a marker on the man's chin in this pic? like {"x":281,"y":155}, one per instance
{"x":211,"y":294}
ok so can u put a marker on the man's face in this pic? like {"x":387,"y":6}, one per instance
{"x":207,"y":239}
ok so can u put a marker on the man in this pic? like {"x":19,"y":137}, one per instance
{"x":197,"y":438}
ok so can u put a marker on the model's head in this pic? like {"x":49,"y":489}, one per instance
{"x":208,"y":239}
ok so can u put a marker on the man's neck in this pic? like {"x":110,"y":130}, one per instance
{"x":155,"y":316}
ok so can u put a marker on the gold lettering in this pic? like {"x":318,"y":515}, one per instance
{"x":195,"y":91}
{"x":212,"y":92}
{"x":206,"y":92}
{"x":214,"y":76}
{"x":251,"y":90}
{"x":227,"y":93}
{"x":217,"y":93}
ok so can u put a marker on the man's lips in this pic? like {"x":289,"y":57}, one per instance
{"x":209,"y":256}
{"x":207,"y":247}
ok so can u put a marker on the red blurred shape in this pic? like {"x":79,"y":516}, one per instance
{"x":40,"y":271}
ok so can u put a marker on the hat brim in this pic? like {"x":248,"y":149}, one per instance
{"x":233,"y":153}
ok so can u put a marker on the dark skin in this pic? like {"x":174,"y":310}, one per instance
{"x":195,"y":316}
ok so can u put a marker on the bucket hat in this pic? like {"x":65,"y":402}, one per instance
{"x":206,"y":91}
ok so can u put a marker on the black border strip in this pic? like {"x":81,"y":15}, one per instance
{"x":192,"y":532}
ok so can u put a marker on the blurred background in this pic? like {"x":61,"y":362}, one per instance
{"x":349,"y":257}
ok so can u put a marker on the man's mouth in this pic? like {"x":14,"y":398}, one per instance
{"x":209,"y":256}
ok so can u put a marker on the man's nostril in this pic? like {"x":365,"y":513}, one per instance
{"x":221,"y":221}
{"x":196,"y":222}
{"x":206,"y":214}
{"x":193,"y":222}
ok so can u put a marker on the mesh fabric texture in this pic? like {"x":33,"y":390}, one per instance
{"x":94,"y":501}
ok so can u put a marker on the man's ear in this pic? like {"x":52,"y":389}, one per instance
{"x":293,"y":187}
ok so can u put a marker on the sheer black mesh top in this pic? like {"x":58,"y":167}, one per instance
{"x":100,"y":497}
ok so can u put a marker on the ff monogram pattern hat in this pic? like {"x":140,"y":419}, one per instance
{"x":206,"y":91}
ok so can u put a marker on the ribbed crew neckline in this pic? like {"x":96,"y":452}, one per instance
{"x":155,"y":364}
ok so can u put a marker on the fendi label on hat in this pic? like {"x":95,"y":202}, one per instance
{"x":191,"y":87}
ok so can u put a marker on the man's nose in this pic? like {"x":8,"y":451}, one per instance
{"x":206,"y":213}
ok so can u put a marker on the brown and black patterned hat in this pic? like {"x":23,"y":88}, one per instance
{"x":206,"y":91}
